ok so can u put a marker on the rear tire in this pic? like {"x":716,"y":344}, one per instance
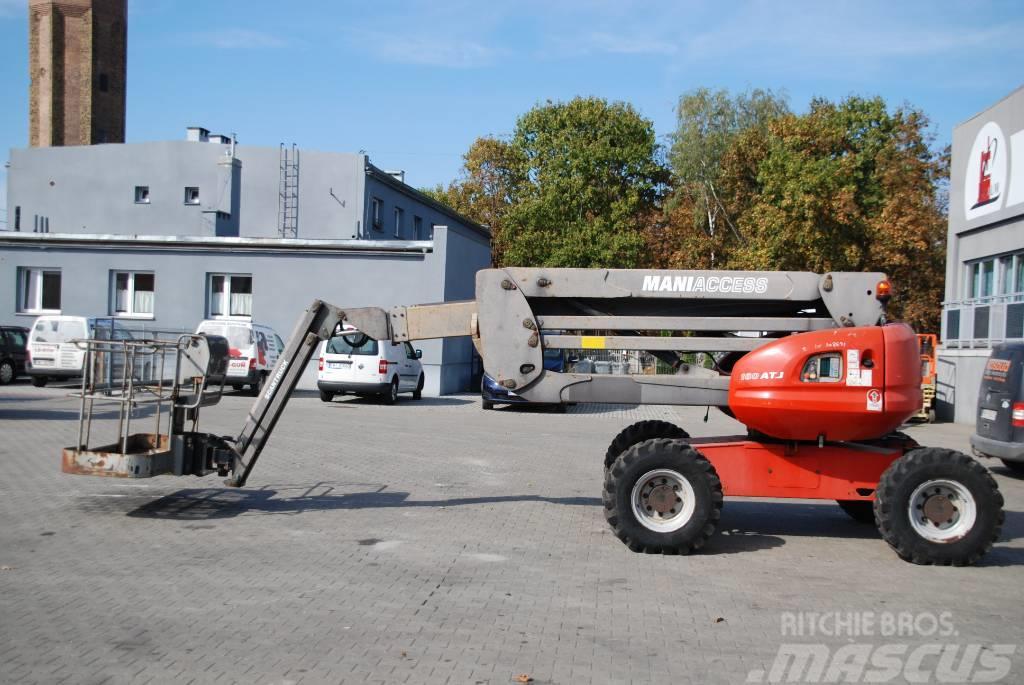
{"x":1016,"y":467}
{"x":938,"y":506}
{"x":662,"y":496}
{"x":326,"y":396}
{"x":39,"y":381}
{"x":7,"y":372}
{"x":860,"y":510}
{"x":417,"y":394}
{"x":639,"y":432}
{"x":391,"y":396}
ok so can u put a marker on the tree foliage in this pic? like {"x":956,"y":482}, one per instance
{"x":848,"y":186}
{"x":708,"y":124}
{"x":487,"y":188}
{"x":572,"y":187}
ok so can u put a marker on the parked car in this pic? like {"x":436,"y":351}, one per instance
{"x":52,"y":355}
{"x":253,"y":350}
{"x":999,"y":431}
{"x":13,"y":352}
{"x":491,"y":393}
{"x":353,"y":362}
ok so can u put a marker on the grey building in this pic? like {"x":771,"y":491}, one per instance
{"x":984,"y":300}
{"x":165,"y":234}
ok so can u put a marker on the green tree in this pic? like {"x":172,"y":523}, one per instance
{"x":593,"y":173}
{"x":573,"y":186}
{"x":848,"y":186}
{"x":708,"y":124}
{"x":487,"y":188}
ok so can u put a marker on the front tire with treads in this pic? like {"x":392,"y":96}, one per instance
{"x":662,"y":496}
{"x":639,"y":432}
{"x":938,"y":506}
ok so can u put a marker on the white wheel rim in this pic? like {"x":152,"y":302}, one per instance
{"x":663,"y":500}
{"x":942,"y":511}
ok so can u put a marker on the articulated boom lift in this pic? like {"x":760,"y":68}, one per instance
{"x":819,"y":379}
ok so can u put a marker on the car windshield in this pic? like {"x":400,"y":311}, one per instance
{"x":58,"y":331}
{"x":238,"y":336}
{"x":339,"y":345}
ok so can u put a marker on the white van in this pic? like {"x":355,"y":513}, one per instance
{"x":53,"y":356}
{"x":364,"y":366}
{"x":253,"y":349}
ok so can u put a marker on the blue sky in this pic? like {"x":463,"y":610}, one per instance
{"x":414,"y":83}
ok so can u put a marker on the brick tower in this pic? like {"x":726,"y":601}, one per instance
{"x":78,"y":65}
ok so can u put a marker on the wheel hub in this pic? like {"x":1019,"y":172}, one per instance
{"x":942,"y":510}
{"x":663,"y":499}
{"x":939,"y":509}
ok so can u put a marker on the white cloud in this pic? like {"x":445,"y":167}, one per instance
{"x":238,"y":39}
{"x":622,"y":44}
{"x":830,"y":31}
{"x":429,"y":50}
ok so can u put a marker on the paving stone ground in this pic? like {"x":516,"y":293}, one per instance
{"x":433,"y":542}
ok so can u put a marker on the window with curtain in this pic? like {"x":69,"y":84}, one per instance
{"x":133,"y":293}
{"x":229,"y":295}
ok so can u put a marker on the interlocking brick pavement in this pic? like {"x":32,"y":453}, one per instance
{"x":429,"y":542}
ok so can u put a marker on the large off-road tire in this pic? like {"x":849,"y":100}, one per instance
{"x":1016,"y":467}
{"x":326,"y":396}
{"x":938,"y":506}
{"x":860,"y":510}
{"x":391,"y":395}
{"x":662,"y":496}
{"x":639,"y":432}
{"x":39,"y":381}
{"x":417,"y":394}
{"x":7,"y":372}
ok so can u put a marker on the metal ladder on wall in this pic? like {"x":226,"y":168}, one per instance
{"x":288,"y":194}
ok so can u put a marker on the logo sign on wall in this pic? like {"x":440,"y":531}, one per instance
{"x":985,"y":182}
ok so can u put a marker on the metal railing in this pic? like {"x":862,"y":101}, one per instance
{"x":130,"y":373}
{"x":983,"y":322}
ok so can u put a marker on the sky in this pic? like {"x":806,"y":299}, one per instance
{"x":414,"y":83}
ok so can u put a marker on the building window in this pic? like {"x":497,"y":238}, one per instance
{"x":191,"y":195}
{"x":417,"y":228}
{"x":104,"y":83}
{"x":981,"y":279}
{"x":132,"y":293}
{"x":17,"y":218}
{"x":1011,"y":274}
{"x":229,"y":295}
{"x":399,"y":220}
{"x":142,"y":195}
{"x":375,"y":213}
{"x":38,"y":291}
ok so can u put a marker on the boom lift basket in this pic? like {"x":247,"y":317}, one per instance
{"x":150,"y":382}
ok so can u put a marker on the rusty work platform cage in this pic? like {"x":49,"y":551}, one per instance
{"x":153,"y":383}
